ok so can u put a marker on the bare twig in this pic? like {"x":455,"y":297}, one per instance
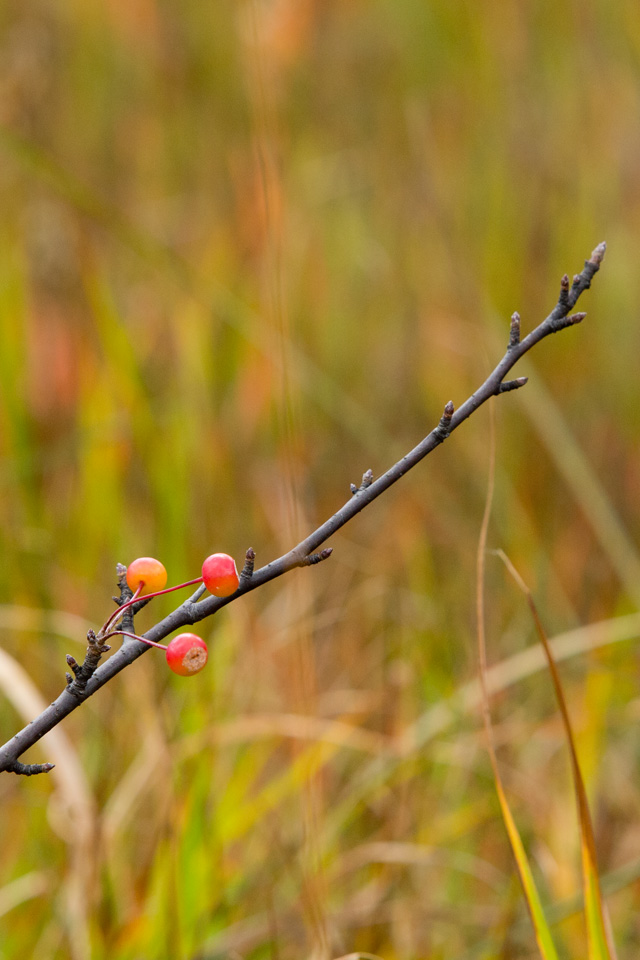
{"x":29,"y":769}
{"x":508,"y":385}
{"x":90,"y":677}
{"x":83,"y":674}
{"x":316,"y":557}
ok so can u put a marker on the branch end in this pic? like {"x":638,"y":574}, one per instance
{"x":597,"y":256}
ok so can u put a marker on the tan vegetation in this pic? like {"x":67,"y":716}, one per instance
{"x":248,"y":251}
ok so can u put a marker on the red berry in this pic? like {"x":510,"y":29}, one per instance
{"x":187,"y":654}
{"x":148,"y":572}
{"x":220,"y":575}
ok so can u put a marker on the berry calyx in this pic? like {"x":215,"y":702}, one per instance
{"x":147,"y":575}
{"x":220,"y":575}
{"x":187,"y":654}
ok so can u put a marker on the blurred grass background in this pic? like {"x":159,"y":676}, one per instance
{"x":247,"y":251}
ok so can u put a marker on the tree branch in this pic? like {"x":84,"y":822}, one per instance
{"x":90,"y":677}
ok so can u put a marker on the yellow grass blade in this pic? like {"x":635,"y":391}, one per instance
{"x":541,"y":927}
{"x":599,"y":938}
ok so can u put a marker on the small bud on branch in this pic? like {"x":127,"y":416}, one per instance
{"x":507,"y":385}
{"x":249,"y":562}
{"x":514,"y":330}
{"x":597,"y":255}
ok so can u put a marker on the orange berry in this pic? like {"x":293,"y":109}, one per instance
{"x":187,"y":654}
{"x":148,"y":572}
{"x":220,"y":575}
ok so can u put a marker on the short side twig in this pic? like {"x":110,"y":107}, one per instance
{"x":28,"y":769}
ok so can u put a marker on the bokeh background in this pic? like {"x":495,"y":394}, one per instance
{"x":247,"y":251}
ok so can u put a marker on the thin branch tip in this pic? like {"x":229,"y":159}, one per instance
{"x":597,"y":256}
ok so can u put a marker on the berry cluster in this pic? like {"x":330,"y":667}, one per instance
{"x":146,"y":577}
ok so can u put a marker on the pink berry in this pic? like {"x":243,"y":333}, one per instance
{"x":187,"y":654}
{"x":220,"y":575}
{"x":148,"y":572}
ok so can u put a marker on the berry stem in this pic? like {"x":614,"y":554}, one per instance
{"x":134,"y":636}
{"x":118,"y":613}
